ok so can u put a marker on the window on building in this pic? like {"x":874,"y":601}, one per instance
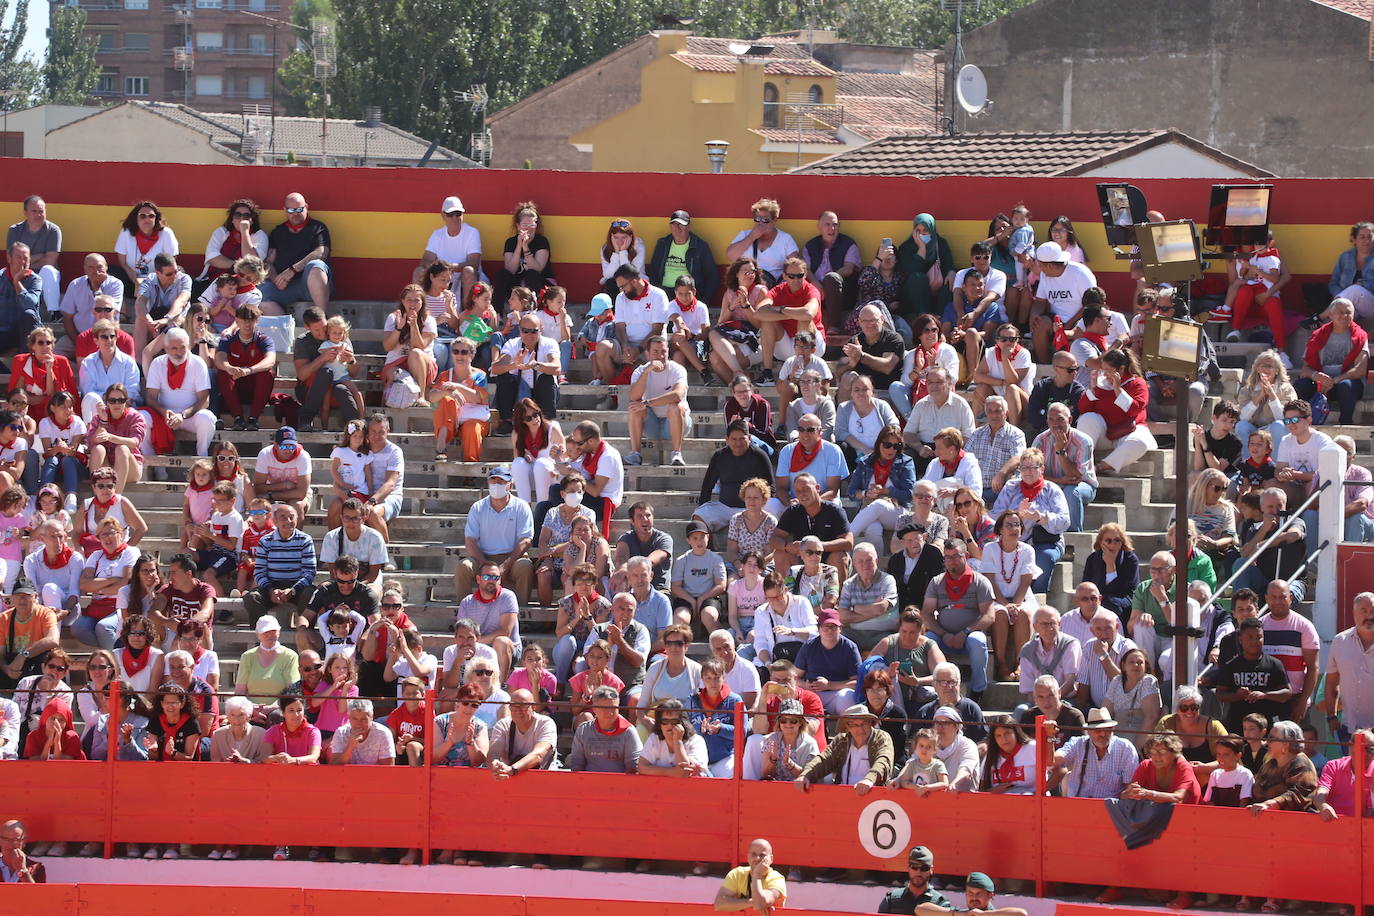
{"x":135,"y":85}
{"x":814,"y":95}
{"x":135,"y":41}
{"x":104,"y":42}
{"x":108,"y":84}
{"x":258,"y":5}
{"x":209,"y":85}
{"x":135,"y":4}
{"x":257,"y":44}
{"x":771,"y":117}
{"x":209,"y":4}
{"x":257,"y":87}
{"x":209,"y":41}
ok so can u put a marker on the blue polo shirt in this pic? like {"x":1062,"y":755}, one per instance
{"x":497,"y":531}
{"x":838,"y":664}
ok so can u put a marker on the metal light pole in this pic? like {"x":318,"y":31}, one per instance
{"x":275,"y":24}
{"x":716,"y":151}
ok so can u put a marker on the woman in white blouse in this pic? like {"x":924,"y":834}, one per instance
{"x":621,"y":247}
{"x":1006,"y":369}
{"x":953,"y":467}
{"x":1009,"y":564}
{"x":1261,"y":398}
{"x":861,"y":419}
{"x":143,"y":236}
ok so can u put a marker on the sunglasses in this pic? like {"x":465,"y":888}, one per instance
{"x":763,"y":219}
{"x":453,"y":214}
{"x":534,"y":416}
{"x":490,"y":577}
{"x":485,"y":672}
{"x":529,"y":330}
{"x":390,"y":606}
{"x":470,"y":704}
{"x":60,"y":667}
{"x":921,"y":867}
{"x":104,"y":486}
{"x":295,"y":209}
{"x":620,"y":224}
{"x":116,"y":400}
{"x":963,"y":505}
{"x":242,"y":214}
{"x":795,"y":276}
{"x":257,"y":511}
{"x":143,"y":633}
{"x":147,"y":216}
{"x":455,"y":353}
{"x":311,"y":667}
{"x":1189,"y":707}
{"x":675,"y":642}
{"x":1292,"y":421}
{"x":809,"y":429}
{"x":353,"y":581}
{"x":812,"y":553}
{"x":1005,"y":338}
{"x":887,"y":445}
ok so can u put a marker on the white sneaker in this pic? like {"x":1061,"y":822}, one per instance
{"x":675,"y":459}
{"x":1233,"y":337}
{"x":596,"y":383}
{"x":90,"y":849}
{"x":230,"y":854}
{"x":152,"y":853}
{"x":69,"y":503}
{"x":133,"y":851}
{"x":171,"y":853}
{"x":57,"y":849}
{"x":282,"y":854}
{"x":215,"y":853}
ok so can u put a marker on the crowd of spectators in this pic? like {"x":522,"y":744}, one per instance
{"x":903,"y":510}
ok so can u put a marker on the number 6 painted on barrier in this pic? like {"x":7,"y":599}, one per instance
{"x":884,"y":829}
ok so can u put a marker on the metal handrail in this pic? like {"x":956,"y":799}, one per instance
{"x":1294,"y":515}
{"x":1307,"y":561}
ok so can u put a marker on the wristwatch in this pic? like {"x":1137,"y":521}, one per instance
{"x":24,"y":652}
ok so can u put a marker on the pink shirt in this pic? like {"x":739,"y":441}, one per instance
{"x":298,"y":745}
{"x":11,"y":538}
{"x":331,"y":718}
{"x":520,"y":680}
{"x":1339,"y":779}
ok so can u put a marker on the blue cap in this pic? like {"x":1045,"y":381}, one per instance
{"x":601,"y":304}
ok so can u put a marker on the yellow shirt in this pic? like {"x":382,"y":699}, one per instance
{"x":737,"y":883}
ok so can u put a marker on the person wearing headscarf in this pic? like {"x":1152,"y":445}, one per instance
{"x":916,"y":256}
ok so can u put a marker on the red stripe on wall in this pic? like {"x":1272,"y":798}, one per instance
{"x":1340,"y":201}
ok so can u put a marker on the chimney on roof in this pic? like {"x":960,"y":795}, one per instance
{"x":373,"y":116}
{"x":670,"y":41}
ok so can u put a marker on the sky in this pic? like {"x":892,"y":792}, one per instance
{"x":36,"y":39}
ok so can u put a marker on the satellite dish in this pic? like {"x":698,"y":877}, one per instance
{"x":971,"y":89}
{"x":739,"y":48}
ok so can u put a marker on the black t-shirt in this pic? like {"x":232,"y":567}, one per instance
{"x":1280,"y":561}
{"x":327,"y":597}
{"x":1256,"y":475}
{"x":292,"y":247}
{"x":1044,"y":393}
{"x":1069,"y":720}
{"x":1265,"y":674}
{"x":827,"y":524}
{"x":537,"y":243}
{"x":1226,"y":448}
{"x":888,"y":342}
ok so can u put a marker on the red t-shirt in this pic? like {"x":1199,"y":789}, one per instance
{"x":185,"y":605}
{"x":812,"y":708}
{"x":406,"y":724}
{"x":783,"y":297}
{"x":1184,"y":778}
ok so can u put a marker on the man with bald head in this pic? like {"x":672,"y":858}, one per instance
{"x":1152,"y":607}
{"x":876,"y":351}
{"x":527,"y":740}
{"x":297,"y":259}
{"x":832,"y":263}
{"x":1101,"y":660}
{"x":78,"y":302}
{"x":755,"y":886}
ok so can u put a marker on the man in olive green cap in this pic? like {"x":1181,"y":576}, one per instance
{"x":978,"y":891}
{"x":920,"y":863}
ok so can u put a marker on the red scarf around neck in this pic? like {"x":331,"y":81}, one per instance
{"x":1032,"y":491}
{"x":955,"y":588}
{"x":170,"y":729}
{"x":233,"y":245}
{"x":590,"y":462}
{"x":201,"y":488}
{"x":690,"y":306}
{"x":801,"y":458}
{"x":477,"y":593}
{"x":63,"y":558}
{"x":115,"y":555}
{"x":881,"y":471}
{"x":950,"y":467}
{"x":1097,"y":340}
{"x":105,"y":507}
{"x":176,"y":374}
{"x":145,"y":242}
{"x":133,"y":664}
{"x":532,"y":445}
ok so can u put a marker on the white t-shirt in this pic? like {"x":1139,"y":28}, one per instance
{"x":994,"y":281}
{"x":774,"y":256}
{"x":1022,"y":360}
{"x":228,"y":526}
{"x":102,"y":567}
{"x":482,"y":651}
{"x":815,"y":363}
{"x":11,"y":452}
{"x":334,"y":645}
{"x":455,"y":249}
{"x":403,"y":671}
{"x":352,"y":467}
{"x":143,"y":263}
{"x":1269,"y":263}
{"x":550,"y":326}
{"x":1302,"y":456}
{"x":429,"y":326}
{"x":612,"y":467}
{"x":640,"y":315}
{"x":368,"y":548}
{"x":49,"y":433}
{"x":694,"y":321}
{"x":1240,"y":778}
{"x":995,"y":562}
{"x":383,"y":462}
{"x":197,"y":380}
{"x":1065,"y":292}
{"x":277,"y":470}
{"x":545,"y":351}
{"x":660,"y":383}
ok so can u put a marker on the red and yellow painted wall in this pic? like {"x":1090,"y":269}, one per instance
{"x":380,"y":218}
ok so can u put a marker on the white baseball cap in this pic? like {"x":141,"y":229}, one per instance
{"x":1051,"y":253}
{"x":450,"y":204}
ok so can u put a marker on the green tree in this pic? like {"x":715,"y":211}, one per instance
{"x":19,"y":74}
{"x":300,"y":91}
{"x":71,"y":73}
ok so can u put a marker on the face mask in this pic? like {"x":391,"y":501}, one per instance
{"x":498,"y":490}
{"x":573,"y":499}
{"x":925,"y":239}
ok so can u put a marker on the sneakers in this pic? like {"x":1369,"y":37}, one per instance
{"x":561,"y":379}
{"x":152,"y":853}
{"x":766,"y":377}
{"x":57,"y":850}
{"x":69,"y":503}
{"x":133,"y":851}
{"x":282,"y":854}
{"x":171,"y":853}
{"x":708,"y":378}
{"x":215,"y":853}
{"x":606,"y":403}
{"x":634,"y":459}
{"x":230,"y":854}
{"x":252,"y":425}
{"x":675,"y":459}
{"x":596,"y":383}
{"x":90,"y":849}
{"x":1220,"y":313}
{"x":1233,"y":336}
{"x":240,"y":425}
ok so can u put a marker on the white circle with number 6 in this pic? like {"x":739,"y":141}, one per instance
{"x":884,"y":830}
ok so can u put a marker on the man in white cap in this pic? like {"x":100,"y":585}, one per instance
{"x":860,"y":756}
{"x":1099,"y":764}
{"x":500,"y":529}
{"x":1059,"y":296}
{"x":955,"y":750}
{"x":458,"y":245}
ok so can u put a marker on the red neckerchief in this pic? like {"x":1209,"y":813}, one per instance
{"x":686,"y":308}
{"x":63,"y":558}
{"x":621,"y":725}
{"x":290,"y":227}
{"x":477,"y":593}
{"x":1097,"y":340}
{"x":105,"y":506}
{"x":37,"y":371}
{"x":233,"y":245}
{"x":62,"y":428}
{"x":198,"y":488}
{"x":233,"y":474}
{"x":1015,"y":352}
{"x":176,"y":374}
{"x":1255,"y":464}
{"x":198,"y":654}
{"x":115,"y":555}
{"x":132,"y":664}
{"x":955,"y":588}
{"x":590,"y":462}
{"x":1270,"y":252}
{"x":170,"y":729}
{"x":643,"y":295}
{"x":708,"y":702}
{"x":246,"y":286}
{"x":881,"y":470}
{"x":1032,"y":491}
{"x":951,"y":468}
{"x":605,"y":317}
{"x":145,"y":242}
{"x":533,"y":445}
{"x":801,"y":458}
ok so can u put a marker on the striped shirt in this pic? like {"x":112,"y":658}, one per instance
{"x":1091,"y":777}
{"x":1078,"y":454}
{"x":995,"y":449}
{"x":280,"y":559}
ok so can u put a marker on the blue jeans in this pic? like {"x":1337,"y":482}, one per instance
{"x":101,"y":633}
{"x":1359,"y":529}
{"x":69,"y":467}
{"x":564,"y":653}
{"x":1046,"y":555}
{"x":565,"y":355}
{"x":1244,"y":428}
{"x":30,"y":477}
{"x":899,"y":393}
{"x":443,"y":354}
{"x":298,"y":290}
{"x":1078,"y":496}
{"x":1343,"y":396}
{"x":976,"y":648}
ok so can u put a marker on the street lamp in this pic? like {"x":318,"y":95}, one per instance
{"x":716,"y":151}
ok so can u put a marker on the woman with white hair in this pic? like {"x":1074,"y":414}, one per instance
{"x":177,"y":394}
{"x":1336,"y":360}
{"x":1261,"y":399}
{"x":1359,"y":500}
{"x":1286,"y":781}
{"x":922,"y":511}
{"x":240,"y":741}
{"x":1198,"y":732}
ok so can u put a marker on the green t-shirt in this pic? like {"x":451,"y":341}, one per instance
{"x":675,"y":266}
